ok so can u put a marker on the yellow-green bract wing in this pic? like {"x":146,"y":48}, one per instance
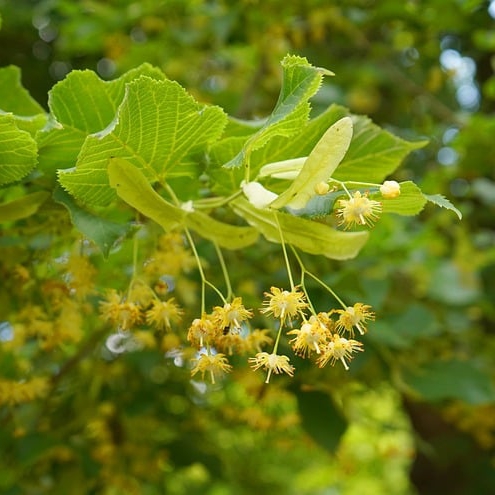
{"x":319,"y":166}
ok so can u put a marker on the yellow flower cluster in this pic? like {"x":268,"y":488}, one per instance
{"x":64,"y":325}
{"x":323,"y":334}
{"x":126,"y":315}
{"x":18,"y":392}
{"x":220,"y":333}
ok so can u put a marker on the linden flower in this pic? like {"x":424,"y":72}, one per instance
{"x":390,"y":189}
{"x":339,"y":349}
{"x":124,"y":314}
{"x":257,"y":339}
{"x":230,"y":343}
{"x":312,"y":335}
{"x":162,"y":313}
{"x":274,"y":363}
{"x":283,"y":304}
{"x":359,"y":210}
{"x":202,"y":331}
{"x":231,"y":315}
{"x":216,"y":365}
{"x":354,"y":316}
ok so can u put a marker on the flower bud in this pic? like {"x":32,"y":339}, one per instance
{"x":390,"y":189}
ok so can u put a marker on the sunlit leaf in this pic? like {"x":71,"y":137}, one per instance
{"x":82,"y":104}
{"x":410,"y":202}
{"x":300,"y":82}
{"x":160,"y":129}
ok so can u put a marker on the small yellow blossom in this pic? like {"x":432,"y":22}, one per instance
{"x":358,"y":210}
{"x":231,"y":315}
{"x":322,"y":188}
{"x":354,"y":316}
{"x":309,"y":338}
{"x":390,"y":189}
{"x":216,"y":365}
{"x":339,"y":349}
{"x":80,"y":275}
{"x":19,"y":392}
{"x":203,"y":331}
{"x":273,"y":363}
{"x":257,"y":339}
{"x":124,"y":314}
{"x":141,"y":294}
{"x":230,"y":343}
{"x":171,"y":258}
{"x":283,"y":304}
{"x":163,"y":313}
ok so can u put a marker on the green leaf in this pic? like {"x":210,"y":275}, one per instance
{"x":133,"y":187}
{"x":309,"y":236}
{"x":402,"y":331}
{"x":22,"y":207}
{"x":102,"y":232}
{"x":14,"y":97}
{"x":453,"y":379}
{"x":300,"y":82}
{"x":410,"y":202}
{"x":443,"y":202}
{"x":18,"y":151}
{"x":82,"y":104}
{"x":373,"y":154}
{"x":321,"y":419}
{"x":319,"y":166}
{"x":159,"y":128}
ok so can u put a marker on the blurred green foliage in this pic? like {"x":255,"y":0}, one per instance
{"x":136,"y":425}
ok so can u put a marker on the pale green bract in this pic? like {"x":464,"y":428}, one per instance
{"x":319,"y":166}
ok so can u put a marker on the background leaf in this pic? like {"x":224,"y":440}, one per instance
{"x":300,"y":81}
{"x":18,"y":151}
{"x":13,"y":96}
{"x":104,"y":233}
{"x":320,"y":418}
{"x":22,"y":207}
{"x":455,"y":379}
{"x":443,"y":202}
{"x":374,"y":153}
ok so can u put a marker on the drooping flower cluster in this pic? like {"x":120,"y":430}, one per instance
{"x":221,"y":333}
{"x":327,"y":335}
